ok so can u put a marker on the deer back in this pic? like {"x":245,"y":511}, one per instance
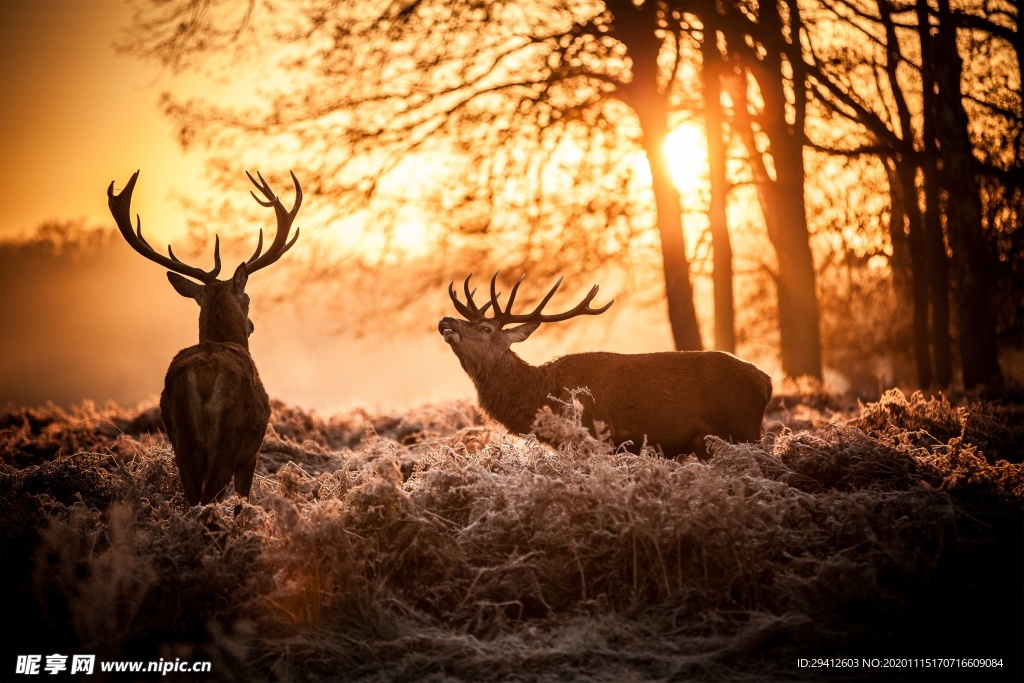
{"x":672,"y":399}
{"x":216,"y":412}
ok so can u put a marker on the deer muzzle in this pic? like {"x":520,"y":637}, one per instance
{"x":447,"y":330}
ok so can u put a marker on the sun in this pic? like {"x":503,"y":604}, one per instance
{"x":687,"y":154}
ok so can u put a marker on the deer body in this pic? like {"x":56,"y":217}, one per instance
{"x":216,"y":412}
{"x":671,"y":400}
{"x":214,"y":407}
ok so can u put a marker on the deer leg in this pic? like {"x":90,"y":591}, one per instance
{"x":189,"y":457}
{"x":243,"y":477}
{"x":216,"y":492}
{"x":221,"y":464}
{"x":191,"y":483}
{"x":220,"y":471}
{"x":246,"y":450}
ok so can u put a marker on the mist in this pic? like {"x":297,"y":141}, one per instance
{"x":88,"y":319}
{"x":84,"y":318}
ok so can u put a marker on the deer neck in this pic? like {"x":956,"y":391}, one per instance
{"x":225,"y":326}
{"x":510,"y":390}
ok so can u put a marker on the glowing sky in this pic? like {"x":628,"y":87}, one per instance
{"x":75,"y":115}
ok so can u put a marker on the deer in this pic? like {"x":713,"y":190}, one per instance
{"x":670,"y":400}
{"x":214,"y":407}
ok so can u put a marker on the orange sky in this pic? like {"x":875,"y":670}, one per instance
{"x":74,"y":115}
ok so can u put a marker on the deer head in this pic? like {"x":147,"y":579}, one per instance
{"x":223,"y":304}
{"x":480,"y":341}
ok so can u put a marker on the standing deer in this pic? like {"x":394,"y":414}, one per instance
{"x":670,"y":400}
{"x":213,"y":405}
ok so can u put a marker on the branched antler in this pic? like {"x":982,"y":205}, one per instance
{"x":285,"y":218}
{"x":120,"y":209}
{"x":470,"y":311}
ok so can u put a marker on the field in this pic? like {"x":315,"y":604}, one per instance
{"x":434,"y":546}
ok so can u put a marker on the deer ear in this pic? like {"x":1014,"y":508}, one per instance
{"x":518,"y":334}
{"x":239,"y":279}
{"x":185,"y":287}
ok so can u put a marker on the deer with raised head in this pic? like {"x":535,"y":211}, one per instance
{"x":670,"y":400}
{"x":214,"y":407}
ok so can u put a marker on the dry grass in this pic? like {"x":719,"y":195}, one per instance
{"x":433,"y":546}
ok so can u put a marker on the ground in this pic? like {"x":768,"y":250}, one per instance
{"x":878,"y":541}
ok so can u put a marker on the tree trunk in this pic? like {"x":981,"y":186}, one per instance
{"x":796,"y":281}
{"x":971,"y":262}
{"x":636,"y":28}
{"x":678,"y":290}
{"x":906,"y":229}
{"x":935,"y":241}
{"x":937,"y":259}
{"x":783,"y":196}
{"x":910,"y":260}
{"x":725,"y":325}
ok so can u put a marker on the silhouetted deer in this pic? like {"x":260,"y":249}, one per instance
{"x":214,"y":407}
{"x":671,"y":399}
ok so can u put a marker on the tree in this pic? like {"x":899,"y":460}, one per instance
{"x":932,"y":151}
{"x":875,"y":98}
{"x":637,"y":28}
{"x":511,"y":127}
{"x":715,"y":68}
{"x":972,"y":265}
{"x":763,"y":40}
{"x":533,"y":109}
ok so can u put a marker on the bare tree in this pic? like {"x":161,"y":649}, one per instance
{"x":911,"y":50}
{"x":534,"y":109}
{"x":878,"y":103}
{"x":511,"y":127}
{"x":972,"y":264}
{"x":762,"y":45}
{"x":714,"y":68}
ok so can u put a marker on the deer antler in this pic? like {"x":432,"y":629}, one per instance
{"x":120,"y":209}
{"x":285,"y":218}
{"x":468,"y":310}
{"x":472,"y":312}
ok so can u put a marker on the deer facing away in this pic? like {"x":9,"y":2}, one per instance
{"x":671,"y":399}
{"x":214,"y":407}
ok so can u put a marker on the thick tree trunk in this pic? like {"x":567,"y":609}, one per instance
{"x":979,"y":355}
{"x":796,"y":281}
{"x":783,"y":196}
{"x":910,"y":261}
{"x":935,"y":240}
{"x":906,"y":229}
{"x":782,"y":203}
{"x":938,"y":264}
{"x":725,"y":325}
{"x":971,"y":262}
{"x":678,"y":290}
{"x":636,"y":27}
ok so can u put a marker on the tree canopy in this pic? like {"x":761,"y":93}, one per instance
{"x":513,"y":133}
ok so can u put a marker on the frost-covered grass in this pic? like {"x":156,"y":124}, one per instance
{"x":434,"y":546}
